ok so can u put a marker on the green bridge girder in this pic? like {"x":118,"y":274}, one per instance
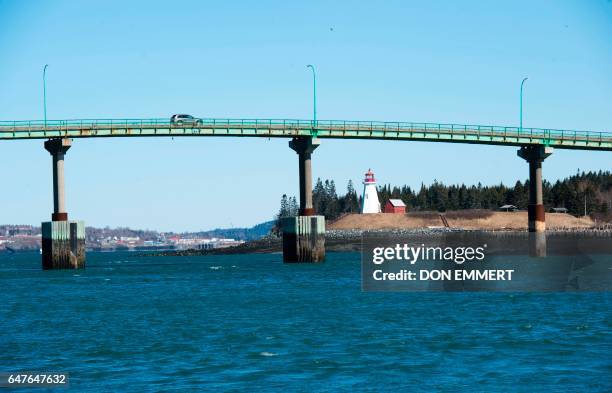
{"x":287,"y":128}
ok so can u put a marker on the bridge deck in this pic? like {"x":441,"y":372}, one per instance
{"x":432,"y":132}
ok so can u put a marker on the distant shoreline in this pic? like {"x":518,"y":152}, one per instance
{"x":344,"y":233}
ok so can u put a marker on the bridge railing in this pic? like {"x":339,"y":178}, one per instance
{"x":331,"y":125}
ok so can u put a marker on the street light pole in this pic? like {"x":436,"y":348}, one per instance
{"x":521,"y":120}
{"x":314,"y":94}
{"x":45,"y":92}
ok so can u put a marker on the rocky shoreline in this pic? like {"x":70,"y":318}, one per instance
{"x":350,"y":239}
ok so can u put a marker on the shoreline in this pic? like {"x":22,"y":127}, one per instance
{"x":344,"y":240}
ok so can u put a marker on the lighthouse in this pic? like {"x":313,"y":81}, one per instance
{"x":370,"y":203}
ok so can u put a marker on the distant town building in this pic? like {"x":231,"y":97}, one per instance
{"x":16,"y":230}
{"x":209,"y":244}
{"x":370,"y":203}
{"x":129,"y":239}
{"x":395,"y":206}
{"x":558,"y":210}
{"x":508,"y":208}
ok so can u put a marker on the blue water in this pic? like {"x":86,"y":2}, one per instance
{"x":129,"y":323}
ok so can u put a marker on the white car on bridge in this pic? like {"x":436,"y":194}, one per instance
{"x":180,"y":120}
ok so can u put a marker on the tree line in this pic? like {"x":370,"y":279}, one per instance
{"x":589,"y":192}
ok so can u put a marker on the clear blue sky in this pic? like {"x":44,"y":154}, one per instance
{"x":438,"y":61}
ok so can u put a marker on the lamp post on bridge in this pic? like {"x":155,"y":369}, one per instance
{"x":45,"y":93}
{"x":521,"y":114}
{"x":314,"y":95}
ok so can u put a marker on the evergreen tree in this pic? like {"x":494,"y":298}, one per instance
{"x":318,"y":196}
{"x":350,"y":202}
{"x":288,"y":208}
{"x":332,"y":206}
{"x":294,"y":207}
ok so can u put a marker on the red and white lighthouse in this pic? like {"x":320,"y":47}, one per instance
{"x":370,"y":203}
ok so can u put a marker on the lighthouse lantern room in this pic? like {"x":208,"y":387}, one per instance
{"x":370,"y":203}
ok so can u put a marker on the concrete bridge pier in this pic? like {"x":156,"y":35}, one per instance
{"x":63,"y":241}
{"x":535,"y":155}
{"x":304,"y":235}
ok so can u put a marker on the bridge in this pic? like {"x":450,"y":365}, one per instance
{"x":287,"y":128}
{"x":63,"y":241}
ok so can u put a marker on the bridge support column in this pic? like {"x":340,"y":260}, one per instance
{"x":304,"y":235}
{"x":63,"y":241}
{"x":535,"y":155}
